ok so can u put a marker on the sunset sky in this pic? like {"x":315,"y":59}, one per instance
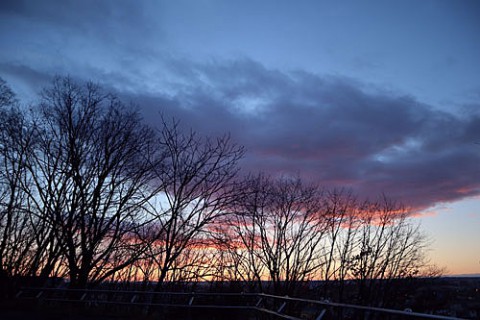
{"x":376,"y":96}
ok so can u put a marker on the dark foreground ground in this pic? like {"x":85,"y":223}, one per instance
{"x":18,"y":310}
{"x":31,"y":315}
{"x":452,"y":297}
{"x":23,"y":310}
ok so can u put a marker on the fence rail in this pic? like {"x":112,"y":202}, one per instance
{"x":261,"y":304}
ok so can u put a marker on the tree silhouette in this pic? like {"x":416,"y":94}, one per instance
{"x":195,"y":181}
{"x":89,"y":192}
{"x":90,"y":170}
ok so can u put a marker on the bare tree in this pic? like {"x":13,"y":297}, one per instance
{"x":88,"y":190}
{"x":341,"y":212}
{"x":91,"y":171}
{"x":18,"y":245}
{"x":236,"y":263}
{"x":389,"y":247}
{"x":277,"y":223}
{"x":195,"y":186}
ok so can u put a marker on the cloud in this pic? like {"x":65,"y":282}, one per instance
{"x":330,"y":130}
{"x":333,"y":130}
{"x":87,"y":39}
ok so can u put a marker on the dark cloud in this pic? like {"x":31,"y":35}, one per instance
{"x":108,"y":41}
{"x":103,"y":18}
{"x":331,"y":130}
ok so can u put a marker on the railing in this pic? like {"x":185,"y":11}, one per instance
{"x":258,"y":305}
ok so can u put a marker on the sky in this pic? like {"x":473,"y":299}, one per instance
{"x":382,"y":97}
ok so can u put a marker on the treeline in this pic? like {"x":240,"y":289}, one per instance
{"x":89,"y":192}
